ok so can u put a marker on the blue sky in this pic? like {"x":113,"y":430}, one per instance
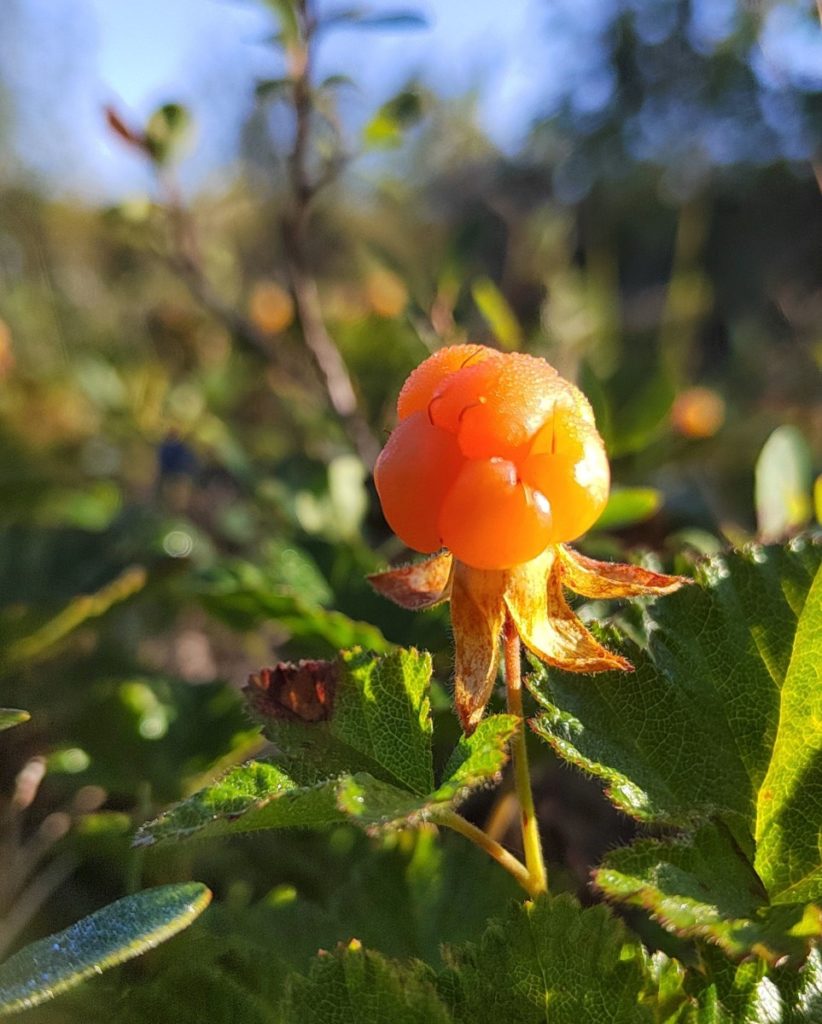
{"x":518,"y":58}
{"x":207,"y":54}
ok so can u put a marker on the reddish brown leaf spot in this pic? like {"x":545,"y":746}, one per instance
{"x":300,"y":691}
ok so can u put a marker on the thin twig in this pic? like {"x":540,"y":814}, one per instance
{"x":304,"y":189}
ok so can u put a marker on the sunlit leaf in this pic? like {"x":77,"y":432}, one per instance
{"x":369,"y":760}
{"x":497,"y":313}
{"x":116,"y":933}
{"x":784,"y":482}
{"x":168,"y":129}
{"x":721,"y":722}
{"x":628,"y":506}
{"x":386,"y":128}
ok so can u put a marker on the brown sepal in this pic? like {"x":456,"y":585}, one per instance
{"x":546,"y":623}
{"x":417,"y":586}
{"x":477,"y":616}
{"x":602,"y":580}
{"x":295,"y":692}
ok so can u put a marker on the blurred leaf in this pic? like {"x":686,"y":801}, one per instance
{"x":640,"y":399}
{"x":359,"y":17}
{"x":286,"y":11}
{"x":274,"y":88}
{"x":628,"y":506}
{"x":732,"y":670}
{"x":386,"y":128}
{"x":116,"y":933}
{"x":9,"y":717}
{"x":477,"y":758}
{"x":784,"y":482}
{"x":338,"y":82}
{"x":497,"y":313}
{"x":168,"y":129}
{"x":79,"y":611}
{"x":242,"y":596}
{"x":817,"y":499}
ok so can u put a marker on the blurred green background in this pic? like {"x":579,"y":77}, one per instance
{"x":212,"y":290}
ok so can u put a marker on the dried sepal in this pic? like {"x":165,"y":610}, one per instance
{"x":300,"y":691}
{"x":590,"y":578}
{"x":477,"y":615}
{"x":546,"y":623}
{"x":417,"y":586}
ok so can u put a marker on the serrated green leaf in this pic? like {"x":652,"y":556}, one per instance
{"x":479,"y":756}
{"x":789,"y":805}
{"x":355,"y":986}
{"x":722,"y":992}
{"x":370,"y":762}
{"x":382,"y":710}
{"x":9,"y":717}
{"x":703,"y":887}
{"x":784,"y":479}
{"x":254,"y":796}
{"x":380,"y":724}
{"x":110,"y":936}
{"x":475,"y":760}
{"x":711,"y":676}
{"x":724,"y":698}
{"x":550,"y":961}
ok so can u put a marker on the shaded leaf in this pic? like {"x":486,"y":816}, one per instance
{"x":550,"y":961}
{"x":274,"y":88}
{"x":359,"y":17}
{"x":703,"y":887}
{"x":355,"y":986}
{"x":76,"y":614}
{"x":10,"y":717}
{"x":116,"y":933}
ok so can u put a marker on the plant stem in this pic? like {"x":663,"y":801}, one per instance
{"x":481,"y":839}
{"x":531,"y":844}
